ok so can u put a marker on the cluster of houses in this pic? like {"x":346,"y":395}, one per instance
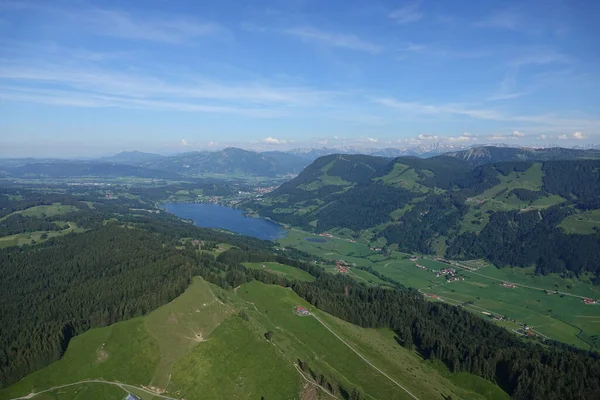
{"x":421,"y":266}
{"x":375,"y":248}
{"x":325,"y":234}
{"x":449,"y":273}
{"x":508,"y":285}
{"x":587,"y":300}
{"x":342,"y":266}
{"x":265,"y":190}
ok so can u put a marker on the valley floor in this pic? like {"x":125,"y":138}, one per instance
{"x":523,"y":300}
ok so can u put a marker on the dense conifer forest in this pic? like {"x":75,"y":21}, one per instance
{"x":444,"y":190}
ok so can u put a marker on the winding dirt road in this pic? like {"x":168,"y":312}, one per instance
{"x":123,"y":386}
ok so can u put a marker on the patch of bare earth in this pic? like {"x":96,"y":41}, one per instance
{"x":172,"y":318}
{"x":154,"y":389}
{"x":101,"y":355}
{"x":309,"y":392}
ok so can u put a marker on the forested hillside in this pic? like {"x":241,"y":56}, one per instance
{"x":446,"y":206}
{"x":485,"y":155}
{"x":125,"y":265}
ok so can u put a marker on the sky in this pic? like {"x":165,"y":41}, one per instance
{"x":82,"y":78}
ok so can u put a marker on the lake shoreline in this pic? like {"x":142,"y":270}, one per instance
{"x":215,"y":216}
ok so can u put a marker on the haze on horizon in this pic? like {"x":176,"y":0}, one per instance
{"x":95,"y":78}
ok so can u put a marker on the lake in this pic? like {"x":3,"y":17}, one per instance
{"x":215,"y":216}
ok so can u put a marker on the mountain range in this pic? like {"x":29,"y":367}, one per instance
{"x":470,"y":204}
{"x":235,"y":162}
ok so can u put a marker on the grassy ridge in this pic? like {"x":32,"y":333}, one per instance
{"x":181,"y":325}
{"x":234,"y":360}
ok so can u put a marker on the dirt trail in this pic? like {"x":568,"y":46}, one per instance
{"x":364,"y":359}
{"x":123,"y":386}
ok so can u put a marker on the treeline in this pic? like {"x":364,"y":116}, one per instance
{"x":462,"y":341}
{"x":417,"y":228}
{"x":531,"y":238}
{"x":54,"y":291}
{"x":17,"y":223}
{"x":330,"y":385}
{"x":436,"y":214}
{"x":362,"y":207}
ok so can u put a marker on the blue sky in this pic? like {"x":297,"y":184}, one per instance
{"x":85,"y":78}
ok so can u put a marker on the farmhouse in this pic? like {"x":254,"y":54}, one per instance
{"x":589,"y":301}
{"x":302,"y":311}
{"x":421,"y":266}
{"x":508,"y":285}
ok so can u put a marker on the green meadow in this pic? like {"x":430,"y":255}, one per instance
{"x":583,"y":223}
{"x":283,"y":270}
{"x":38,"y":236}
{"x":210,"y":343}
{"x":559,"y":317}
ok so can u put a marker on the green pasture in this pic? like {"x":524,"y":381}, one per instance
{"x":283,"y":270}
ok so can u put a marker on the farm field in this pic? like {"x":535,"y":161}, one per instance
{"x":583,"y":223}
{"x":283,"y":270}
{"x":562,"y":318}
{"x":36,"y":237}
{"x":45,"y":211}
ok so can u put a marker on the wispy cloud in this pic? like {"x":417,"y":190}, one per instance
{"x":544,"y":120}
{"x":407,"y":13}
{"x":143,"y":26}
{"x":539,"y":56}
{"x":90,"y":85}
{"x":441,"y":109}
{"x":168,"y":29}
{"x":437,"y":51}
{"x":72,"y":99}
{"x":507,"y":19}
{"x":333,"y":39}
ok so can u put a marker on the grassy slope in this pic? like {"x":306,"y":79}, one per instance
{"x":284,"y":270}
{"x":122,"y":352}
{"x":180,"y":325}
{"x":499,"y":198}
{"x":235,"y":361}
{"x":583,"y":223}
{"x":305,"y":338}
{"x":28,"y":238}
{"x":85,"y":392}
{"x":561,"y":318}
{"x":54,"y":210}
{"x":45,"y":211}
{"x":140,"y":351}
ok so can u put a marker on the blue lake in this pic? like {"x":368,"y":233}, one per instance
{"x":215,"y":216}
